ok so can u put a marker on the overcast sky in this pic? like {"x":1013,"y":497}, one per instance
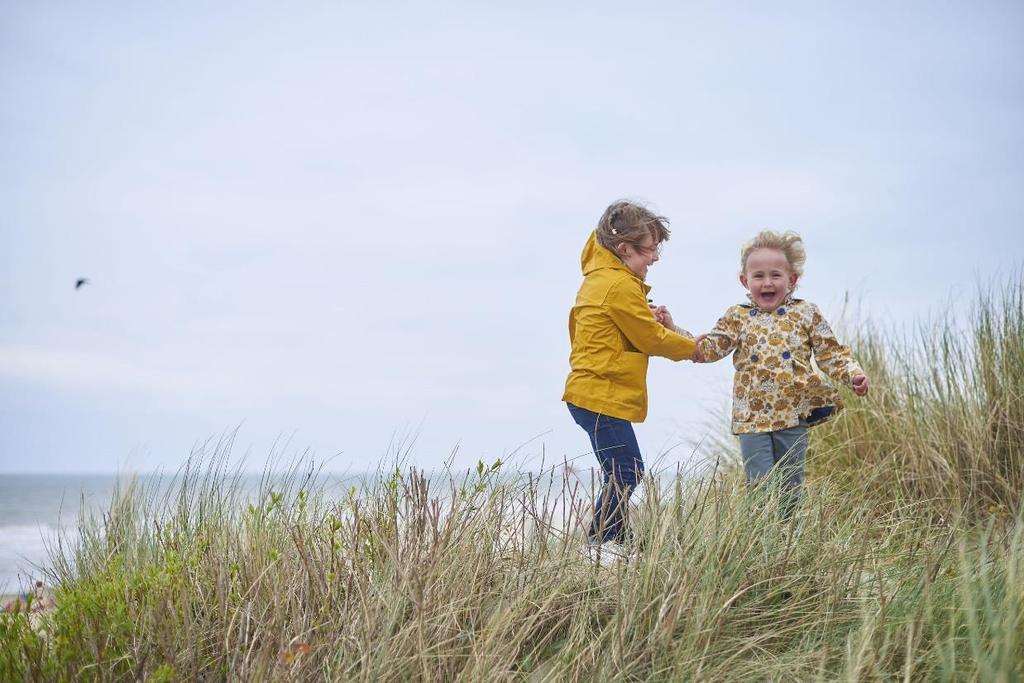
{"x":346,"y":223}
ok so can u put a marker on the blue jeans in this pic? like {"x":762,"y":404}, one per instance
{"x":785,"y":449}
{"x":618,"y":453}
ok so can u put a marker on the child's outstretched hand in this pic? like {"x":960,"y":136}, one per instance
{"x":860,"y":384}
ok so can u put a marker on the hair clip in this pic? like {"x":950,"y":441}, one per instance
{"x":614,"y":231}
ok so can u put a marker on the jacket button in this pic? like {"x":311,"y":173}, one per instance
{"x":753,"y":358}
{"x":785,"y":354}
{"x":781,"y":311}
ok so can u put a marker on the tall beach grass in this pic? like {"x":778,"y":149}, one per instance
{"x":945,"y":423}
{"x":905,"y":559}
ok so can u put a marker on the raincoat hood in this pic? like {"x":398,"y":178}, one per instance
{"x":596,"y":257}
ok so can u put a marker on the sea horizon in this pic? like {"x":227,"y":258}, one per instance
{"x":35,"y":507}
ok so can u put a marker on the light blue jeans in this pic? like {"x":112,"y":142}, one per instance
{"x":785,"y":449}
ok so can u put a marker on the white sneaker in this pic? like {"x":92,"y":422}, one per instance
{"x":607,"y":554}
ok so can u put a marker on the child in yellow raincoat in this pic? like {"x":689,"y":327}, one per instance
{"x":613,"y":333}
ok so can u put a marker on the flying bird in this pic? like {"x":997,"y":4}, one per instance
{"x":81,"y":281}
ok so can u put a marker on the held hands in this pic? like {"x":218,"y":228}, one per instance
{"x":698,"y":356}
{"x":860,"y":384}
{"x":663,"y":316}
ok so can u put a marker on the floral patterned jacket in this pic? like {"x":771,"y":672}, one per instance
{"x":775,"y":386}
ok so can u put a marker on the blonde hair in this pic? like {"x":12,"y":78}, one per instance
{"x":789,"y":243}
{"x":629,"y":222}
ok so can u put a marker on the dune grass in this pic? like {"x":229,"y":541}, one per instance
{"x":945,"y":422}
{"x":905,"y":559}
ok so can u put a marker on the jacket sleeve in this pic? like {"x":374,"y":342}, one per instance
{"x":628,"y":309}
{"x":834,"y":359}
{"x":723,"y":338}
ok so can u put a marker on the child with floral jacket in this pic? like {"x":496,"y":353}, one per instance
{"x":777,"y":392}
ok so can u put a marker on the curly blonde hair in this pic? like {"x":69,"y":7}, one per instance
{"x":789,"y":243}
{"x":629,"y":222}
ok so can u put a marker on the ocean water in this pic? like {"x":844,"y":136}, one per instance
{"x":32,"y":508}
{"x":35,"y":507}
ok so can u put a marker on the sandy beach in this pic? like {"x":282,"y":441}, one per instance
{"x":42,"y":600}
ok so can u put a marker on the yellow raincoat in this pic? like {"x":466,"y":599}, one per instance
{"x":613,"y":333}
